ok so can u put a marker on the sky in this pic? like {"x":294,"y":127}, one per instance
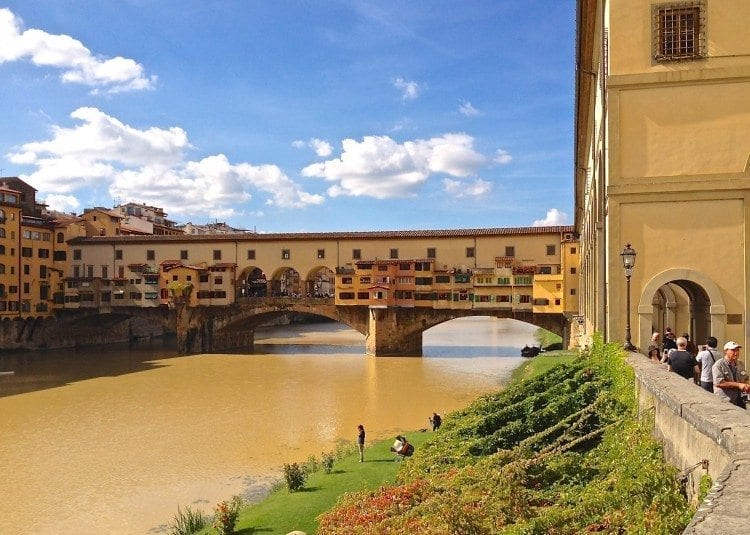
{"x":294,"y":116}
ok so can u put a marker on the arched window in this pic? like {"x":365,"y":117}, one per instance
{"x":2,"y":249}
{"x":2,"y":216}
{"x":60,"y":237}
{"x":2,"y":232}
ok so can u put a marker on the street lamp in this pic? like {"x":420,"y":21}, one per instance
{"x":628,"y":261}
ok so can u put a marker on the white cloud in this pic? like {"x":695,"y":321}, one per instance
{"x":62,"y":203}
{"x":409,"y":89}
{"x":322,"y":148}
{"x":459,"y":189}
{"x":465,"y":108}
{"x":149,"y":165}
{"x":380,"y":167}
{"x":554,"y":218}
{"x":79,"y":65}
{"x":502,"y":157}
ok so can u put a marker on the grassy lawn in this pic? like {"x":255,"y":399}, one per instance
{"x":284,"y":511}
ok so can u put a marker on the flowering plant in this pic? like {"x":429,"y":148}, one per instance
{"x":226,"y":514}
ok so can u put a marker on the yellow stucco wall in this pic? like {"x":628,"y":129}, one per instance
{"x":695,"y":129}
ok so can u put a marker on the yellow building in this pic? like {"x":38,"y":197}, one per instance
{"x":662,"y":163}
{"x":10,"y":230}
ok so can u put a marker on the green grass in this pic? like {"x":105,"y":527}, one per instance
{"x":542,"y":363}
{"x":283,"y":511}
{"x":547,"y":338}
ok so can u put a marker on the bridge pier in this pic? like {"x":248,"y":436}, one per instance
{"x":390,"y":332}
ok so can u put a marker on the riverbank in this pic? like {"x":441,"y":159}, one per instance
{"x":282,"y":511}
{"x":559,"y":449}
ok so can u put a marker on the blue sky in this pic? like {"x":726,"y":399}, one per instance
{"x":298,"y":116}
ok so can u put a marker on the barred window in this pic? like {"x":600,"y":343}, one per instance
{"x":679,"y":31}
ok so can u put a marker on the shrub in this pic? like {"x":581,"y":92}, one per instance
{"x":294,"y":476}
{"x":186,"y":522}
{"x":311,"y":465}
{"x":327,"y":462}
{"x":225,"y":515}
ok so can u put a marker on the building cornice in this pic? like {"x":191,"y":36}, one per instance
{"x":321,"y":236}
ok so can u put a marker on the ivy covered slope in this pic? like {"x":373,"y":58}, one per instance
{"x":559,"y":453}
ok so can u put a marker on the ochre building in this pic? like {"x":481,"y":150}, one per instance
{"x":662,"y":162}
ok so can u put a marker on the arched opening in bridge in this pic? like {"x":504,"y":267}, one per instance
{"x":286,"y":282}
{"x":320,"y":282}
{"x":685,"y":301}
{"x":251,"y":282}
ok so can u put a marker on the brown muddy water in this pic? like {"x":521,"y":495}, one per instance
{"x":112,"y":441}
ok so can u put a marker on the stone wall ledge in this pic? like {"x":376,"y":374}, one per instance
{"x":713,"y":429}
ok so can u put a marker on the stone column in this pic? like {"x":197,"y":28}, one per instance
{"x":387,"y":334}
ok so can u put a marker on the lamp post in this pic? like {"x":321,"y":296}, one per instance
{"x":628,"y":261}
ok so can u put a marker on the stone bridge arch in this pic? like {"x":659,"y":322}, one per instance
{"x":388,"y":331}
{"x":212,"y":329}
{"x":399,"y":331}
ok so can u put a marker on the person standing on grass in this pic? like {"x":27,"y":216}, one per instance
{"x":361,"y":442}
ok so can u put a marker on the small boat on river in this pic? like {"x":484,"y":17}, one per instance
{"x":529,"y":352}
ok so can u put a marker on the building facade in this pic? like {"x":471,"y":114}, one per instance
{"x":662,"y":152}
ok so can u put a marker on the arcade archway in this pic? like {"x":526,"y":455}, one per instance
{"x":685,"y":300}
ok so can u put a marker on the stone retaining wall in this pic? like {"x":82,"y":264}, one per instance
{"x":701,"y":435}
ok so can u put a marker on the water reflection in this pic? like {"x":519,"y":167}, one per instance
{"x":112,"y":441}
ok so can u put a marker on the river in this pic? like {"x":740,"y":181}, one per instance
{"x":112,"y":441}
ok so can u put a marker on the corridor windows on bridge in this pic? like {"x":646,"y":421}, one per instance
{"x":321,"y":254}
{"x":356,"y":254}
{"x":394,"y":254}
{"x":183,"y":254}
{"x":217,"y":254}
{"x":150,"y":255}
{"x":431,"y":252}
{"x":470,"y":252}
{"x":251,"y":254}
{"x":510,"y":250}
{"x":285,"y":254}
{"x":678,"y":31}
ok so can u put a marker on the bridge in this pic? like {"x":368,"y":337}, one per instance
{"x":387,"y":331}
